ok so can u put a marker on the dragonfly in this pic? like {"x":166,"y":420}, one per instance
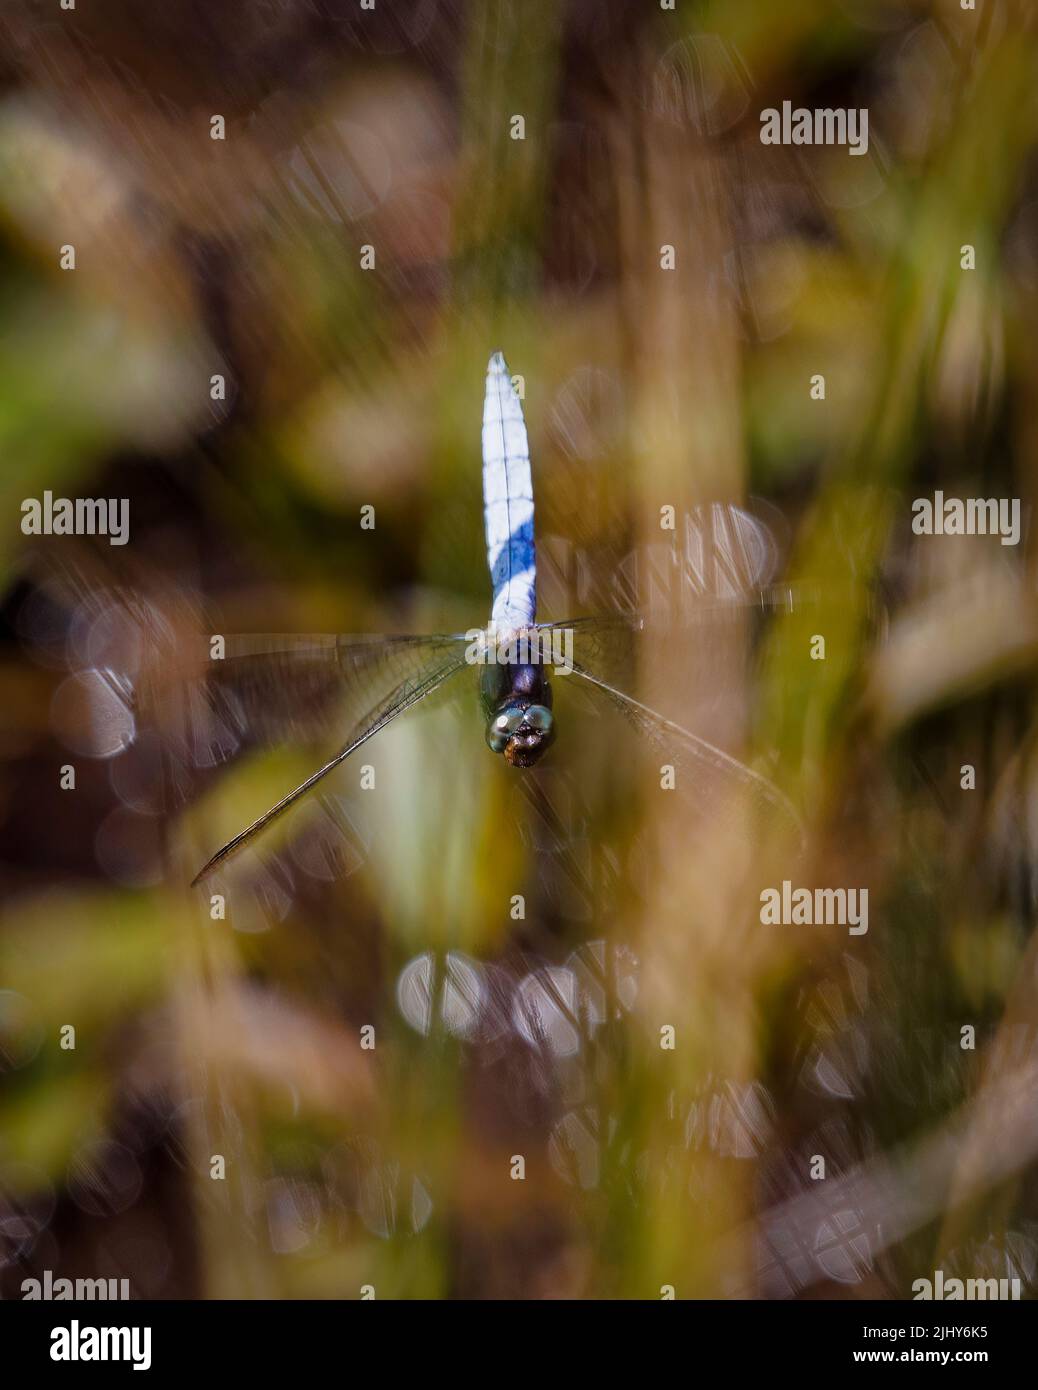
{"x":296,"y":678}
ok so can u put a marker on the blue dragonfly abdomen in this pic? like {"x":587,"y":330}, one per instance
{"x":508,"y":503}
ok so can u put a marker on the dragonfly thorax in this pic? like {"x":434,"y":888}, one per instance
{"x":516,"y":701}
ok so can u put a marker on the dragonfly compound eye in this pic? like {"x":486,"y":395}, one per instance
{"x":533,"y":737}
{"x":538,"y":717}
{"x":502,"y":727}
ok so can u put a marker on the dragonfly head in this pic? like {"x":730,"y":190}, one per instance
{"x":517,"y":706}
{"x":522,"y":732}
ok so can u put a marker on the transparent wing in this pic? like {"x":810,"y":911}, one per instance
{"x":710,"y":775}
{"x":275,"y":688}
{"x":607,"y":658}
{"x":608,"y":644}
{"x":412,"y":690}
{"x":210,"y":702}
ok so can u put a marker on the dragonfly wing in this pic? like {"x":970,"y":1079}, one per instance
{"x":607,"y":642}
{"x":715,"y":774}
{"x":404,"y":696}
{"x":607,"y":645}
{"x":270,"y":689}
